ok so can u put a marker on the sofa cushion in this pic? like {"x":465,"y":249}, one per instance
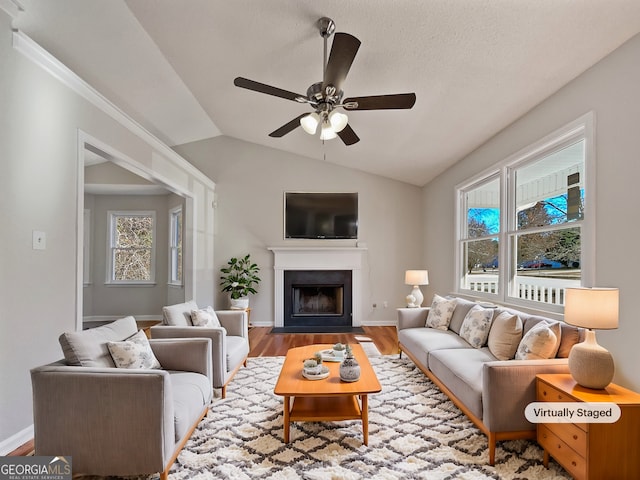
{"x":476,"y":325}
{"x":179,"y":314}
{"x":540,"y":342}
{"x":461,"y":371}
{"x":88,"y":348}
{"x":134,"y":352}
{"x":204,"y":318}
{"x":191,"y":393}
{"x":440,"y":312}
{"x":505,"y":336}
{"x":237,"y":351}
{"x":462,"y":308}
{"x":420,"y":341}
{"x":570,"y":336}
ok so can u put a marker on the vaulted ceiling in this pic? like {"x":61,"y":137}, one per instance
{"x":475,"y":66}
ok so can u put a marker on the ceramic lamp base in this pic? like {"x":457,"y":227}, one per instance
{"x":590,"y":364}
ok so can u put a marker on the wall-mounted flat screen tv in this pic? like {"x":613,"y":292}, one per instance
{"x":320,"y":215}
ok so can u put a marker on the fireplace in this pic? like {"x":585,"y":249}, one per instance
{"x":319,"y":259}
{"x":317,"y":298}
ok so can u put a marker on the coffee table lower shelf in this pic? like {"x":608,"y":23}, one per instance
{"x":326,"y":409}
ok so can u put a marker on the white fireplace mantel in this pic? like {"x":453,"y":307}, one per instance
{"x":318,"y":258}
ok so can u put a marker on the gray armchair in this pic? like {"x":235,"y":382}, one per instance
{"x":118,"y":421}
{"x":230,"y":341}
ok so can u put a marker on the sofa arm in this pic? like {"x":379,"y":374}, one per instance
{"x":217,"y":335}
{"x":412,"y":317}
{"x":236,"y":322}
{"x":187,"y":355}
{"x":100,"y":415}
{"x":509,"y":386}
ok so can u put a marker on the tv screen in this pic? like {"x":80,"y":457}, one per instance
{"x":321,"y":215}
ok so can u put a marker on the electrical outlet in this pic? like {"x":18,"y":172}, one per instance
{"x":39,"y":240}
{"x":385,"y":304}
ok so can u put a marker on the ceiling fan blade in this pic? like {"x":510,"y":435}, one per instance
{"x":343,"y":51}
{"x":268,"y":89}
{"x":288,"y":127}
{"x":381,"y":102}
{"x":348,"y":136}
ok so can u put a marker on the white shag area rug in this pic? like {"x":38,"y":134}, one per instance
{"x":415,"y":432}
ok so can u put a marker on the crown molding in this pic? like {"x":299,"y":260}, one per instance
{"x":12,"y":7}
{"x":34,"y":52}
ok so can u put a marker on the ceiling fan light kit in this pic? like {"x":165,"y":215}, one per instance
{"x":326,"y":96}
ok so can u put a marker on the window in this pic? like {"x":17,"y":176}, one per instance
{"x":525,"y":227}
{"x":131,"y":247}
{"x":175,"y":246}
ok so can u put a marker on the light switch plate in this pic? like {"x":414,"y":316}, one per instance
{"x":39,"y":240}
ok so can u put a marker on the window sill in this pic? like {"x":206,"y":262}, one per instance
{"x":130,"y":284}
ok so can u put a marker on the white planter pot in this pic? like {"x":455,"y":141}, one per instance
{"x":239,"y":303}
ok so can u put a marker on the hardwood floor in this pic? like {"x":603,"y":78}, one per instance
{"x":265,"y":344}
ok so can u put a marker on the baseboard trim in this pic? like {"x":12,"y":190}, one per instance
{"x":15,"y":441}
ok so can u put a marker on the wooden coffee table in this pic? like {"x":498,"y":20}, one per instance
{"x":329,"y":399}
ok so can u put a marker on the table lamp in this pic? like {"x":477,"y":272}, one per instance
{"x":592,"y":308}
{"x":416,"y":278}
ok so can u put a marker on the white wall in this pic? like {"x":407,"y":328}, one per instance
{"x":250,"y":185}
{"x":41,"y":120}
{"x":612,"y":90}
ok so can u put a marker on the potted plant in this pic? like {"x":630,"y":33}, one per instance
{"x":338,"y":350}
{"x":312,"y":367}
{"x":240,"y":277}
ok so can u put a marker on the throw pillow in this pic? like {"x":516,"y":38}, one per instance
{"x":505,"y":336}
{"x":205,"y":318}
{"x":134,"y":352}
{"x":475,"y":326}
{"x":539,"y":343}
{"x":440,"y":312}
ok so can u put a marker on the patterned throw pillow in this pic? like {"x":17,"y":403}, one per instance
{"x":539,"y":343}
{"x":205,"y":318}
{"x":475,"y":326}
{"x":440,"y":313}
{"x":505,"y":336}
{"x":134,"y":352}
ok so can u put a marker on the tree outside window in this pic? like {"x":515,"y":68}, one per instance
{"x":131,"y":246}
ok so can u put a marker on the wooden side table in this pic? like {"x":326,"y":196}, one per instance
{"x":591,"y":450}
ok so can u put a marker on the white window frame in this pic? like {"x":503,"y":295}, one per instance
{"x":582,"y":128}
{"x":174,"y":213}
{"x":112,"y":215}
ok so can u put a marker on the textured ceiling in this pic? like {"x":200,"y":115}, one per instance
{"x":475,"y":66}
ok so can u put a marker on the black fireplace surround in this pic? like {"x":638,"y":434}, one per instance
{"x":318,"y":300}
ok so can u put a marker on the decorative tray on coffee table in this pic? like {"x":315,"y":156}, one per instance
{"x":318,"y":376}
{"x":328,"y":356}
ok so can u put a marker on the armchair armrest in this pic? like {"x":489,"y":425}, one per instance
{"x":74,"y":410}
{"x":188,"y":355}
{"x":217,"y":335}
{"x":412,"y":317}
{"x":236,"y":322}
{"x":509,"y":386}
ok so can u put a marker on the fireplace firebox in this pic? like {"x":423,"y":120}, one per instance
{"x":317,"y":298}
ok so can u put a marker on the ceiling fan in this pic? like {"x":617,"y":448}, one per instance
{"x":325,"y":97}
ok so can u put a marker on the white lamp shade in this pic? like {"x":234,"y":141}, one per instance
{"x":338,"y":120}
{"x":327,"y":132}
{"x":593,"y":308}
{"x":416,"y":277}
{"x":310,"y":123}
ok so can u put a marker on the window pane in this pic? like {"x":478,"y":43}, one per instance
{"x":483,"y":209}
{"x":548,"y":262}
{"x":132,"y":264}
{"x":136,"y":231}
{"x":481,"y":265}
{"x":550,"y":191}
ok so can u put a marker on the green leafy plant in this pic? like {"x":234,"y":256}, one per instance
{"x":240,"y":277}
{"x":339,"y":346}
{"x":310,"y":363}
